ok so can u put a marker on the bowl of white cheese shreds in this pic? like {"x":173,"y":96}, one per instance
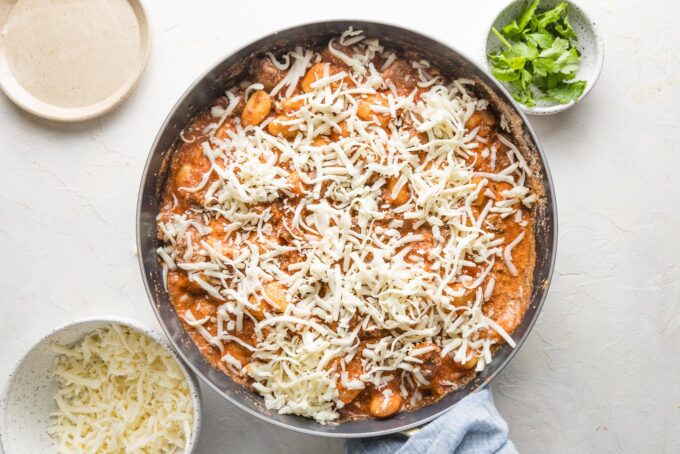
{"x":102,"y":385}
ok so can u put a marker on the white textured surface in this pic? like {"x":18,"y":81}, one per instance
{"x":599,"y":373}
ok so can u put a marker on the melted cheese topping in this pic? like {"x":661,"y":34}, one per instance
{"x":355,"y":274}
{"x":120,"y":391}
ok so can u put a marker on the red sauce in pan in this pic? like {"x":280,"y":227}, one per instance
{"x":189,"y":163}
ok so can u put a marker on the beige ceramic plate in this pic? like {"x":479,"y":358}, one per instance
{"x":71,"y":60}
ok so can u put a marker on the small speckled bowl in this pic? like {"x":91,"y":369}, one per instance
{"x":589,"y":43}
{"x":28,"y":397}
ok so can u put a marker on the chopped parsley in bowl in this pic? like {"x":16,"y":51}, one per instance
{"x":547,"y":53}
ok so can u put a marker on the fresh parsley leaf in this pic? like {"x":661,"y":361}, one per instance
{"x":565,"y":92}
{"x":515,"y":28}
{"x":552,"y":16}
{"x":559,"y":47}
{"x":543,"y":40}
{"x":568,"y":62}
{"x":538,"y":57}
{"x":526,"y":97}
{"x":543,"y":66}
{"x":565,"y":29}
{"x":529,"y":11}
{"x":505,"y":74}
{"x":527,"y":51}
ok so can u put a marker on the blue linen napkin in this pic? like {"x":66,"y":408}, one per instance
{"x":472,"y":426}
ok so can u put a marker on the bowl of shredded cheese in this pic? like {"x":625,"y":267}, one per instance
{"x":100,"y":385}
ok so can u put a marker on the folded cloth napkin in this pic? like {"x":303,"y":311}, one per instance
{"x":472,"y":426}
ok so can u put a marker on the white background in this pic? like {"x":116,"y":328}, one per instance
{"x":601,"y":370}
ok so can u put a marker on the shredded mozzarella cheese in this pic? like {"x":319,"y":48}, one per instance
{"x":374,"y":277}
{"x":119,"y":391}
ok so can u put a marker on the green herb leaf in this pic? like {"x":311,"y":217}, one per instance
{"x":565,"y":29}
{"x":543,"y":66}
{"x":552,"y":16}
{"x":527,"y":51}
{"x":568,"y":62}
{"x":565,"y":92}
{"x":538,"y":58}
{"x":559,"y":46}
{"x":543,"y":40}
{"x":526,"y":97}
{"x":515,"y":27}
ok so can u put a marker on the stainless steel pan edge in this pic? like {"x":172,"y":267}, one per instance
{"x":209,"y":86}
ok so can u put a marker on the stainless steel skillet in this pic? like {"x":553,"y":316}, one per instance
{"x":211,"y":85}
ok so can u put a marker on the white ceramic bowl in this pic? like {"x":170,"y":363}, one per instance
{"x":28,"y":397}
{"x":589,"y":43}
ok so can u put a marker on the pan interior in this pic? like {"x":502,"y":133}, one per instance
{"x":213,"y":84}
